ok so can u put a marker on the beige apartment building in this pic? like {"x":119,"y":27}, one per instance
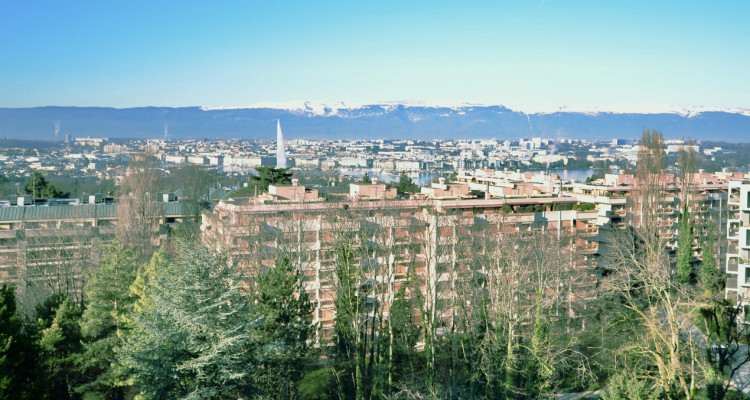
{"x":434,"y":246}
{"x":438,"y":238}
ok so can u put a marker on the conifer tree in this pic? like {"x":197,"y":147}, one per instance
{"x":104,"y":322}
{"x":709,"y":274}
{"x":405,"y":184}
{"x":284,"y":313}
{"x":192,"y":330}
{"x":685,"y":248}
{"x":60,"y":343}
{"x":271,"y":176}
{"x":13,"y":352}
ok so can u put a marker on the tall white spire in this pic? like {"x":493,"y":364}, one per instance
{"x":280,"y":148}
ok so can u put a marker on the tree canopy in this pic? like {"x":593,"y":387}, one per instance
{"x":271,"y":176}
{"x":39,"y":186}
{"x":266,"y":176}
{"x":191,"y":335}
{"x":405,"y":184}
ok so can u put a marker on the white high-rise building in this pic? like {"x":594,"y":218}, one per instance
{"x":738,"y":243}
{"x":280,"y":148}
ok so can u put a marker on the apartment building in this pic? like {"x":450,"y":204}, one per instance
{"x":438,"y":238}
{"x":52,"y":246}
{"x":434,"y":246}
{"x":738,"y":239}
{"x":374,"y":190}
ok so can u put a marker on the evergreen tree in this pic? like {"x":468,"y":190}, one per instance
{"x":366,"y":179}
{"x":271,"y":176}
{"x":15,"y":351}
{"x":709,"y":274}
{"x":405,"y":184}
{"x":685,"y":247}
{"x":191,"y":336}
{"x":626,"y":385}
{"x":348,"y":354}
{"x":60,"y":343}
{"x":39,"y":187}
{"x":285,"y":314}
{"x":539,"y":372}
{"x":104,"y":323}
{"x":266,"y":176}
{"x":405,"y":335}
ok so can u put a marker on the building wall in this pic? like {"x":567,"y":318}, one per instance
{"x":54,"y":248}
{"x":738,"y":243}
{"x":436,"y":248}
{"x":435,"y":242}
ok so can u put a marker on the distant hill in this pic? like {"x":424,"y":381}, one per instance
{"x":376,"y":121}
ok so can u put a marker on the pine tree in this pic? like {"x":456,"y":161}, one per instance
{"x":12,"y":354}
{"x":284,"y":312}
{"x":271,"y":176}
{"x":685,"y":247}
{"x":405,"y":184}
{"x":538,"y":371}
{"x":39,"y":187}
{"x":405,"y":335}
{"x":21,"y":374}
{"x":60,"y":344}
{"x":192,"y":332}
{"x":104,"y":322}
{"x":709,"y":274}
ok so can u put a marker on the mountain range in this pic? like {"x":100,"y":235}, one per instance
{"x":395,"y":120}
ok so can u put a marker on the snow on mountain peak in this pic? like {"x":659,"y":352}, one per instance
{"x":335,"y":108}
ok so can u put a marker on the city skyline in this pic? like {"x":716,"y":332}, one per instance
{"x":524,"y":55}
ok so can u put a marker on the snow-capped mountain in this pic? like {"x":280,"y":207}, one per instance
{"x":340,"y":108}
{"x":385,"y":120}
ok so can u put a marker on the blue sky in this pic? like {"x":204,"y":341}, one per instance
{"x":521,"y":54}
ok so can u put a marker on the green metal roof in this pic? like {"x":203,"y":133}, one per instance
{"x":86,"y":211}
{"x":177,"y":208}
{"x":57,"y":212}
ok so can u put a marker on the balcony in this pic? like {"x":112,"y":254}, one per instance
{"x":589,"y":231}
{"x":731,"y":282}
{"x":588,"y":248}
{"x":732,"y":266}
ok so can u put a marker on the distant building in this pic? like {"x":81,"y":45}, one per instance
{"x":374,"y":190}
{"x":293,"y":192}
{"x":89,"y":141}
{"x":443,"y":190}
{"x":174,"y":159}
{"x":622,"y":142}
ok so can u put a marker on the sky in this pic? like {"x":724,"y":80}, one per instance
{"x":521,"y":54}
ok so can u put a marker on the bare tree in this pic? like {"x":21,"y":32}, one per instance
{"x":56,"y":256}
{"x":138,"y":209}
{"x":658,"y":314}
{"x":649,"y":180}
